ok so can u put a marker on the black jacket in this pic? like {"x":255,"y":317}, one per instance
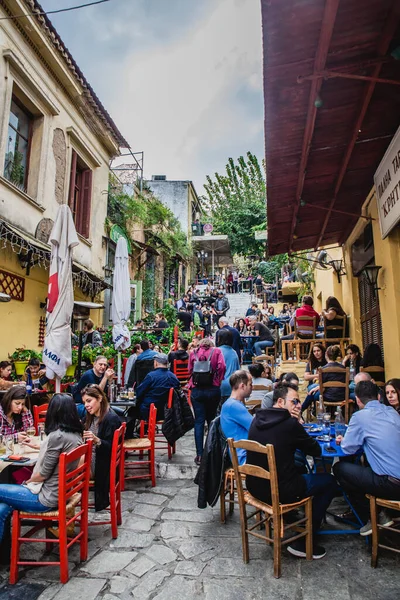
{"x":107,"y":427}
{"x":178,"y":419}
{"x":275,"y":426}
{"x":214,"y":462}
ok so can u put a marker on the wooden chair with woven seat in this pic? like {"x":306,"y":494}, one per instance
{"x":377,"y":374}
{"x":116,"y":480}
{"x":387,"y":504}
{"x":269,"y":359}
{"x":265,"y":513}
{"x":335,"y":330}
{"x":144,"y":446}
{"x":304,"y":333}
{"x":227,"y":494}
{"x":347,"y":402}
{"x":39,"y":415}
{"x":73,"y":492}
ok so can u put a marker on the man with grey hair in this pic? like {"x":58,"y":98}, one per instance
{"x":265,"y":339}
{"x":155,"y":387}
{"x":223,"y":323}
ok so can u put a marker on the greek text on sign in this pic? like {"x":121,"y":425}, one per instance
{"x":387,"y":184}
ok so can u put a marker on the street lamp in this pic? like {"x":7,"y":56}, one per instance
{"x":371,"y":273}
{"x":202,"y":256}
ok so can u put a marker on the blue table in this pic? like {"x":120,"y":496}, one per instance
{"x":325,"y":455}
{"x":248,"y":343}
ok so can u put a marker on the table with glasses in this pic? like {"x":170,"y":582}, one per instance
{"x":248,"y":343}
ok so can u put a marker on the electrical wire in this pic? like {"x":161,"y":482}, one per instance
{"x":53,"y":12}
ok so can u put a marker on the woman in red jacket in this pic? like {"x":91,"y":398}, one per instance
{"x":205,"y":389}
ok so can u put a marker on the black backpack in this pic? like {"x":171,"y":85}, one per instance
{"x":202,"y":376}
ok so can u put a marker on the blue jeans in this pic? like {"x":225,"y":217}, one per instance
{"x":205,"y":403}
{"x":259,"y":347}
{"x":20,"y":497}
{"x":310,"y":398}
{"x":323,"y":488}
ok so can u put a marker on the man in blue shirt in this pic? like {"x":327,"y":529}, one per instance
{"x":223,"y":323}
{"x":155,"y":387}
{"x":146,"y":352}
{"x":235,"y":418}
{"x":375,"y":430}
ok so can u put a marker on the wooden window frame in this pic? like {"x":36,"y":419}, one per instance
{"x":80,"y":194}
{"x":31,"y":117}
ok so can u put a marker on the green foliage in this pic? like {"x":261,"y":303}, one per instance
{"x":25,"y":354}
{"x":237,"y":201}
{"x":162,"y":227}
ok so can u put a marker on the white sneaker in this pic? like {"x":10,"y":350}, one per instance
{"x":383,"y":519}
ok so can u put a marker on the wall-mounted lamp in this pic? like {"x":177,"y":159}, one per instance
{"x":43,"y":304}
{"x":338,"y":267}
{"x":371,"y":273}
{"x":4,"y":297}
{"x":108,"y":271}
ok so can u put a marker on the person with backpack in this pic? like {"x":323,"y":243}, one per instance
{"x":207,"y":370}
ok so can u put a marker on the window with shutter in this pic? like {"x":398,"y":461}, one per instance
{"x":371,"y":324}
{"x":80,"y":194}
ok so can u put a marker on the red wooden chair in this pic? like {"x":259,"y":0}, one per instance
{"x":39,"y":415}
{"x":116,"y":479}
{"x":160,"y":441}
{"x":73,"y":492}
{"x":145,"y":446}
{"x":181,"y":370}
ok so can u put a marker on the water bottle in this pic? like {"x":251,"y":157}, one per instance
{"x":352,"y":371}
{"x":340,"y":426}
{"x":29,"y":385}
{"x":320,"y":413}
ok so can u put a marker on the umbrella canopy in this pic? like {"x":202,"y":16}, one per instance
{"x":60,"y":299}
{"x":121,"y":300}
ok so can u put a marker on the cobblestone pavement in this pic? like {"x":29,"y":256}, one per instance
{"x":168,"y":549}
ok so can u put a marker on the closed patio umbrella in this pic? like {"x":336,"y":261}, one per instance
{"x":60,"y":298}
{"x":121,"y":301}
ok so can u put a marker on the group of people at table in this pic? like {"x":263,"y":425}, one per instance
{"x":374,"y":427}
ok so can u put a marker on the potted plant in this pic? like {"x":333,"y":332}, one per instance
{"x":70,"y":372}
{"x":21,"y":358}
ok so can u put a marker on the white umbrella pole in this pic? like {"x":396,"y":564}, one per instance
{"x":58,"y":385}
{"x":119,"y":370}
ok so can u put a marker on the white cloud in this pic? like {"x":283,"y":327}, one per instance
{"x":180,"y":102}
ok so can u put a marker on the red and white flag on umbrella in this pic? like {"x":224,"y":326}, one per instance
{"x":57,"y":344}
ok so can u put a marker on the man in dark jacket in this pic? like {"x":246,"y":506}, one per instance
{"x":155,"y":387}
{"x":180,"y":354}
{"x":185,"y":317}
{"x":280,"y":427}
{"x":223,"y":323}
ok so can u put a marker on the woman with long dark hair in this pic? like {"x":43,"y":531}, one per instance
{"x":100,"y":424}
{"x":40,"y":492}
{"x":392,"y":394}
{"x":332,"y":310}
{"x":316,"y":359}
{"x":5,"y":372}
{"x":15,"y":417}
{"x":241,"y":326}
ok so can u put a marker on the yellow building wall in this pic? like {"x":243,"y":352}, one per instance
{"x":387,"y":255}
{"x":20,"y":320}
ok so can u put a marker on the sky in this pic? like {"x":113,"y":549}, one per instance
{"x":182,"y":79}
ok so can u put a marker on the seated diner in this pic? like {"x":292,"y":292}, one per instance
{"x":15,"y":417}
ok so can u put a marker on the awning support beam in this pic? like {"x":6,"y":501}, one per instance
{"x":334,"y":74}
{"x":383,"y":45}
{"x":328,"y":22}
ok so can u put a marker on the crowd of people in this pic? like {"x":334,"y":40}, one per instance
{"x":218,"y":384}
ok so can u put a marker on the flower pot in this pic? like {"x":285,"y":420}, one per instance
{"x":20,"y":366}
{"x":70,"y":372}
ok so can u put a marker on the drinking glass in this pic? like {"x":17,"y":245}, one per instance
{"x":42,"y":434}
{"x":9,"y":443}
{"x":31,"y":431}
{"x":327,"y":427}
{"x":320,"y":420}
{"x":131,"y":394}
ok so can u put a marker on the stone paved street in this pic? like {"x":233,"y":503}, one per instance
{"x":169,"y":549}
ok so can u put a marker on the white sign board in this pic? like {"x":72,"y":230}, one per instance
{"x":387,"y":184}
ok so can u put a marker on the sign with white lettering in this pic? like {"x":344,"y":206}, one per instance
{"x":387,"y":184}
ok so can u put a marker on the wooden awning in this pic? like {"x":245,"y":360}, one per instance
{"x":332,"y":106}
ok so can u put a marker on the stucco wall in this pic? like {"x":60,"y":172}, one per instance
{"x":174,"y":195}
